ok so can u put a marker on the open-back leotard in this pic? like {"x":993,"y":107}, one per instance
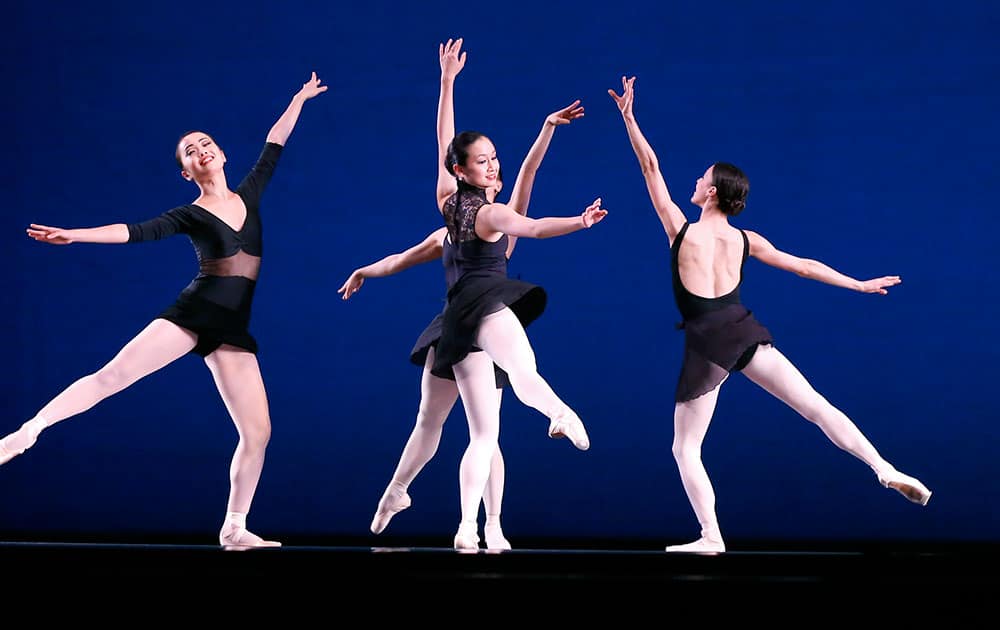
{"x":720,"y":334}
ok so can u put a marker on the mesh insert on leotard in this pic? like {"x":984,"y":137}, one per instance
{"x":239,"y":264}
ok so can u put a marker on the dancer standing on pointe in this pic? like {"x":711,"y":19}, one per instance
{"x":211,"y":315}
{"x":438,"y":395}
{"x":722,"y":336}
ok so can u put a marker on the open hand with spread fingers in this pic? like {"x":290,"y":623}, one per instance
{"x":452,"y":58}
{"x":625,"y":101}
{"x":566,"y":115}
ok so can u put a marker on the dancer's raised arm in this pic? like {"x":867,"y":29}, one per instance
{"x":283,"y":126}
{"x":521,"y":194}
{"x":670,"y":214}
{"x":452,"y":61}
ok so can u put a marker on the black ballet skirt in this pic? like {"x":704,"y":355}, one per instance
{"x":215,"y":325}
{"x":715,"y":344}
{"x":429,"y":338}
{"x":476,"y":271}
{"x":720,"y":334}
{"x":216,"y":305}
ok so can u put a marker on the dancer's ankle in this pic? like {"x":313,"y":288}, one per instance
{"x":237,"y":519}
{"x":493,"y":533}
{"x":712,"y":532}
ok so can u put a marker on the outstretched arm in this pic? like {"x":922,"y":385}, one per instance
{"x":498,"y":217}
{"x":670,"y":215}
{"x":521,"y":194}
{"x":452,"y":61}
{"x":115,"y":233}
{"x":283,"y":127}
{"x":764,"y":251}
{"x":427,"y":250}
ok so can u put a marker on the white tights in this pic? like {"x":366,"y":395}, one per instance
{"x":772,"y":371}
{"x":237,"y":377}
{"x":437,"y":397}
{"x":504,"y":342}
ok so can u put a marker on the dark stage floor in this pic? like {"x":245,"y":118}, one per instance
{"x":897,"y":582}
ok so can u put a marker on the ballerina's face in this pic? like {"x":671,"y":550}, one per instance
{"x":482,"y":168}
{"x":703,"y":187}
{"x":199,"y":155}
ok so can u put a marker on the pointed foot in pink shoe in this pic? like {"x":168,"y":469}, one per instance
{"x":7,"y":455}
{"x":571,"y":427}
{"x":391,"y":504}
{"x":907,"y":486}
{"x":19,"y":441}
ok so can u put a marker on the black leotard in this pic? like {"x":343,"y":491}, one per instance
{"x":478,"y":282}
{"x":721,"y":335}
{"x":216,"y":304}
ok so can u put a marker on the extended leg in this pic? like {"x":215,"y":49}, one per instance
{"x":437,"y":397}
{"x":159,"y":344}
{"x":770,"y":369}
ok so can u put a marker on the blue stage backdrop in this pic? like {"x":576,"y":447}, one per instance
{"x":868,"y":132}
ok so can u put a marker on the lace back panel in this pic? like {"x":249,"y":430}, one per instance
{"x":460,"y":211}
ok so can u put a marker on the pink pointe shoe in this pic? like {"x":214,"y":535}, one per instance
{"x":702,"y":545}
{"x":495,"y":540}
{"x":467,"y":539}
{"x":568,"y":425}
{"x":7,"y":455}
{"x":20,"y":440}
{"x":391,"y":504}
{"x":906,"y":485}
{"x":235,"y":538}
